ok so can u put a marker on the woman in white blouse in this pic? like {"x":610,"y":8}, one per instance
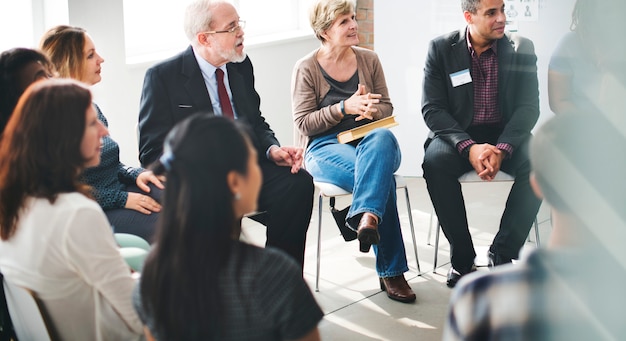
{"x":55,"y":240}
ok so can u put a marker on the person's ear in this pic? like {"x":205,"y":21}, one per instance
{"x":534,"y":184}
{"x":468,"y":17}
{"x":234,"y":181}
{"x":324,"y":35}
{"x":203,"y":38}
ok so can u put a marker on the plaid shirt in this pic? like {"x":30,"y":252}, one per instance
{"x":549,"y":296}
{"x":484,"y":72}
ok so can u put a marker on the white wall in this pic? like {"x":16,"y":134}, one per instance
{"x":403,"y":29}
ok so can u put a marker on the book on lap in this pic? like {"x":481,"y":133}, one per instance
{"x":358,"y":132}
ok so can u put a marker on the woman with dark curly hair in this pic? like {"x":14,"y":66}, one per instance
{"x":19,"y":67}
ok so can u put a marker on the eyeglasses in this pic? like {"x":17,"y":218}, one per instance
{"x":240,"y":25}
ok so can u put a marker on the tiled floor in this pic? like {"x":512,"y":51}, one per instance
{"x":354,"y":306}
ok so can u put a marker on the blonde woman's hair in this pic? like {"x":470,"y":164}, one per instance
{"x":64,"y":46}
{"x":324,"y":12}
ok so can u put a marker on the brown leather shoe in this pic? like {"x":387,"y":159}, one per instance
{"x":367,"y":232}
{"x":397,"y":289}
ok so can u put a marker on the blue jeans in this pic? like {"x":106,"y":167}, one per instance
{"x":367,"y":171}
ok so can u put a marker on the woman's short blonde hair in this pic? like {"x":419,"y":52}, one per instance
{"x":324,"y":12}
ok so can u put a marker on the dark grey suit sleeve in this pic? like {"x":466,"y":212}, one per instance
{"x":155,"y":118}
{"x":436,"y":96}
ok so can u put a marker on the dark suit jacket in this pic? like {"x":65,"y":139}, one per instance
{"x":174,"y":89}
{"x":448,"y":110}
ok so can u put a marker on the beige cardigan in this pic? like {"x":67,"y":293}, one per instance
{"x":308,"y":89}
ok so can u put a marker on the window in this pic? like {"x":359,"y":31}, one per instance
{"x":154,"y":28}
{"x":16,"y":17}
{"x":28,"y":20}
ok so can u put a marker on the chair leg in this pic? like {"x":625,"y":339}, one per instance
{"x":536,"y":226}
{"x":319,"y":243}
{"x":537,"y":242}
{"x":408,"y":208}
{"x":430,"y":226}
{"x":436,"y":247}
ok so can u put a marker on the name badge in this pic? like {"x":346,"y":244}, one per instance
{"x":460,"y":77}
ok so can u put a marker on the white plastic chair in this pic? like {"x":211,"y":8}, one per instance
{"x":30,"y":321}
{"x":133,"y":249}
{"x":330,"y":191}
{"x":472,"y":177}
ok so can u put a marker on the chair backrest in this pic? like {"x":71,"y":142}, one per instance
{"x":7,"y":333}
{"x":129,"y":240}
{"x":134,"y":257}
{"x":28,"y":314}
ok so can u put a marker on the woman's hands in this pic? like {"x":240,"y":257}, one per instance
{"x":144,"y":203}
{"x":146,"y":177}
{"x":361,"y":104}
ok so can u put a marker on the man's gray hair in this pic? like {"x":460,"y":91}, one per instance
{"x":470,"y":5}
{"x":198,"y":16}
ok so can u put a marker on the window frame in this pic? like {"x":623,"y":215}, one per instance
{"x":298,"y":29}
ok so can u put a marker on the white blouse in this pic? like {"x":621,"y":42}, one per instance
{"x":65,"y":252}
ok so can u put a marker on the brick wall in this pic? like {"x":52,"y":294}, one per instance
{"x":365,"y":18}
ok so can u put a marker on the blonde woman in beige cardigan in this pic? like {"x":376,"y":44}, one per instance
{"x":337,"y":87}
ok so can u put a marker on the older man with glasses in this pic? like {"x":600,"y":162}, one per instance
{"x":214,"y":76}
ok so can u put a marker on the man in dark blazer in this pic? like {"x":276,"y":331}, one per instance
{"x":480,"y":101}
{"x":188,"y":83}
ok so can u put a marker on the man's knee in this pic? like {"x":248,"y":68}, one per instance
{"x":436,"y":161}
{"x":294,"y":187}
{"x":442,"y":160}
{"x":304,"y":182}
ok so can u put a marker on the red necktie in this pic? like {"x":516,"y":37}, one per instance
{"x":227,"y":109}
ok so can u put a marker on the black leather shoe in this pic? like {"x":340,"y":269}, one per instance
{"x":496,"y":259}
{"x":454,"y":276}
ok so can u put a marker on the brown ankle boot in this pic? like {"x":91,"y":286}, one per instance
{"x":367,"y":232}
{"x":397,"y":289}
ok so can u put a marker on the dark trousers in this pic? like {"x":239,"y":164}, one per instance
{"x":124,"y":220}
{"x":287,"y":200}
{"x":443,"y":165}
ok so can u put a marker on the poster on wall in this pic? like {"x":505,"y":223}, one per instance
{"x":522,"y":10}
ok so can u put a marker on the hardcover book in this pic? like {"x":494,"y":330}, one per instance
{"x":358,"y":132}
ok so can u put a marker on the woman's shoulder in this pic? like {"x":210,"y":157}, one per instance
{"x":364,"y":52}
{"x":67,"y":214}
{"x":77,"y":200}
{"x":569,"y":43}
{"x":568,"y":50}
{"x":101,"y":116}
{"x":76,"y":206}
{"x":365,"y":57}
